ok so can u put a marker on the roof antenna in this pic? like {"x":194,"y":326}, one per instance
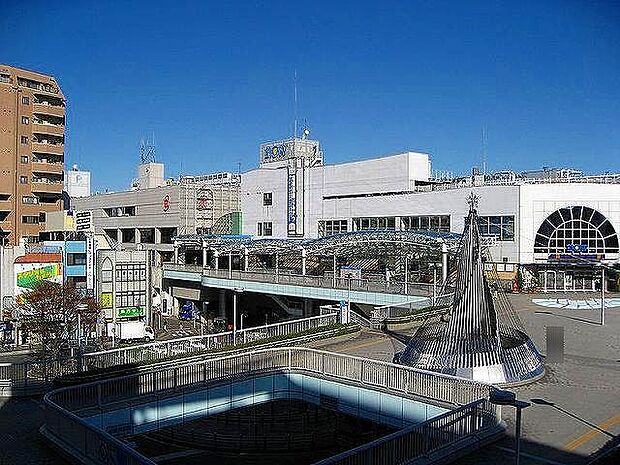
{"x":295,"y":92}
{"x":484,"y":149}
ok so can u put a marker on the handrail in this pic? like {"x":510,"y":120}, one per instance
{"x":357,"y":370}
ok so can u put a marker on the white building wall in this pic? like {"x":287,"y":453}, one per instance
{"x":538,"y":201}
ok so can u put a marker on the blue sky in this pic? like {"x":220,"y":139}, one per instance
{"x":212,"y":80}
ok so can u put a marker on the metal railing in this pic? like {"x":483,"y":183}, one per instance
{"x":71,"y":429}
{"x":329,"y":282}
{"x":163,"y":350}
{"x":423,"y":440}
{"x":24,"y":377}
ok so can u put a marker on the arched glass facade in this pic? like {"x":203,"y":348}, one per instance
{"x":576,"y":230}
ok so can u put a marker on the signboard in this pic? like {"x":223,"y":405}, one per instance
{"x":83,"y":221}
{"x":165,"y":204}
{"x":106,"y":300}
{"x":28,"y":279}
{"x":127,"y":312}
{"x":577,"y":248}
{"x":90,"y":263}
{"x":291,"y":148}
{"x":295,"y":198}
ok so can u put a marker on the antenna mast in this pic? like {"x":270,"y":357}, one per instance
{"x":484,"y":149}
{"x":295,"y":93}
{"x":147,"y":151}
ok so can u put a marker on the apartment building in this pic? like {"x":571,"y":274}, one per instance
{"x":32,"y":136}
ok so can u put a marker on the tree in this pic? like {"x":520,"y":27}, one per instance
{"x":53,"y":314}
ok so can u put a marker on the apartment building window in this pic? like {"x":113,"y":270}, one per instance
{"x":23,"y":180}
{"x":42,"y":217}
{"x":25,"y":100}
{"x":128,"y":236}
{"x":439,"y":223}
{"x":30,"y":200}
{"x":24,"y":159}
{"x":384,"y":222}
{"x":24,"y":139}
{"x":30,"y":219}
{"x":329,"y":227}
{"x":25,"y":120}
{"x":500,"y":227}
{"x":264,"y":228}
{"x":267,"y":198}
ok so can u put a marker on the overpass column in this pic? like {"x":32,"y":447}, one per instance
{"x":334,"y":277}
{"x":229,"y":265}
{"x":406,"y":274}
{"x":277,"y":268}
{"x":444,"y":263}
{"x":176,"y":252}
{"x":222,"y":303}
{"x":245,"y":259}
{"x":204,"y":254}
{"x":216,"y":256}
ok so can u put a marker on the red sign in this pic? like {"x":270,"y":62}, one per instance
{"x":166,"y":203}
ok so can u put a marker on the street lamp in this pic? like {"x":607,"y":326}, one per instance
{"x":504,"y":397}
{"x":236,"y":290}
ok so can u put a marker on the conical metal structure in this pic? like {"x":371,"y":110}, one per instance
{"x":483,"y":338}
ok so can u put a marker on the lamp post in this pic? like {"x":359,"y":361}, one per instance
{"x":236,"y":290}
{"x":602,"y":295}
{"x":503,"y":397}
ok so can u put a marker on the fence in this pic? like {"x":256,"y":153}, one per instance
{"x":453,"y":426}
{"x":328,"y":282}
{"x":27,"y":376}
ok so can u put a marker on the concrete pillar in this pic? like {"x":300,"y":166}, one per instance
{"x":222,"y":303}
{"x":119,"y":235}
{"x":245,"y":259}
{"x":334,"y":277}
{"x":216,"y":259}
{"x":277,"y":268}
{"x":204,"y":254}
{"x":444,"y":262}
{"x":307,"y":307}
{"x":406,"y":274}
{"x":176,"y":252}
{"x":157,"y":236}
{"x":229,"y":265}
{"x":303,"y":262}
{"x":137,"y":236}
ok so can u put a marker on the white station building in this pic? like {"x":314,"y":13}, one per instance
{"x":557,"y":223}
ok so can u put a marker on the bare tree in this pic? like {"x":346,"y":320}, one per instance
{"x":53,"y":314}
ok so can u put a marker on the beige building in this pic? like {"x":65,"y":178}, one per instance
{"x":32,"y":137}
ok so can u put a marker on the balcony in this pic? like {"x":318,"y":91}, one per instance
{"x":45,"y":127}
{"x":46,"y":108}
{"x":48,"y":147}
{"x":36,"y":85}
{"x":43,"y":166}
{"x":46,"y":185}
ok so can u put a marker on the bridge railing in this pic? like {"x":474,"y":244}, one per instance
{"x":163,"y":350}
{"x":328,"y":282}
{"x":63,"y":404}
{"x":430,"y":438}
{"x":22,"y":376}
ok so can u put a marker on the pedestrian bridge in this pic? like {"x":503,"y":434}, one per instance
{"x":361,"y":291}
{"x":436,"y":416}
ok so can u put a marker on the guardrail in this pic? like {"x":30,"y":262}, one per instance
{"x":66,"y":426}
{"x":328,"y":282}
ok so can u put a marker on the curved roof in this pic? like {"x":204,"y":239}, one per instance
{"x":367,"y":243}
